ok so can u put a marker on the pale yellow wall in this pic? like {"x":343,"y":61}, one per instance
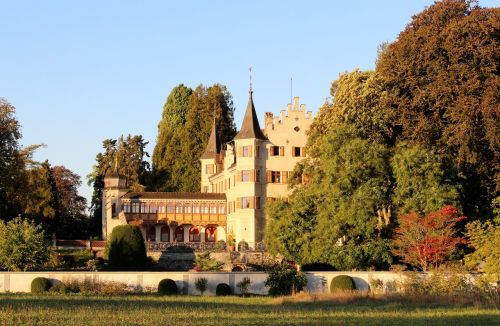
{"x":248,"y":224}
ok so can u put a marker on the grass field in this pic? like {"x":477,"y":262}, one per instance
{"x":26,"y":309}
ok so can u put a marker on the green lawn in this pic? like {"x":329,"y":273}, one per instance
{"x":25,"y":309}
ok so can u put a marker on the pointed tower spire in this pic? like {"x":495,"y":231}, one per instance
{"x":213,"y":145}
{"x":250,"y":127}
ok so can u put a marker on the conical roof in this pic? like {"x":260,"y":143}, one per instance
{"x":213,"y":146}
{"x":250,"y":127}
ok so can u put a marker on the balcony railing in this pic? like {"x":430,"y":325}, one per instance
{"x":202,"y":246}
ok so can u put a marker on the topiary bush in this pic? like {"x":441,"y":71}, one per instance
{"x":126,"y":249}
{"x":167,"y":287}
{"x":40,"y":285}
{"x":222,"y":289}
{"x":342,"y":283}
{"x":285,"y":280}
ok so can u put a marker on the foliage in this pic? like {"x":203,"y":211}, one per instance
{"x":22,"y":245}
{"x":91,"y":287}
{"x":425,"y":242}
{"x":243,"y":286}
{"x":178,"y":162}
{"x":231,"y":240}
{"x":342,"y":283}
{"x":201,"y":284}
{"x":167,"y":287}
{"x":125,"y":248}
{"x":127,"y":156}
{"x":71,"y":221}
{"x":485,"y":239}
{"x":203,"y":262}
{"x":243,"y":245}
{"x":285,"y":280}
{"x":40,"y":285}
{"x":424,"y":181}
{"x":441,"y":79}
{"x":222,"y":289}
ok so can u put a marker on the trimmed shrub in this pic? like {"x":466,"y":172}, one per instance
{"x":342,"y":283}
{"x":167,"y":287}
{"x":222,"y":289}
{"x":40,"y":285}
{"x":285,"y":280}
{"x":201,"y":284}
{"x":126,"y":249}
{"x":243,"y":286}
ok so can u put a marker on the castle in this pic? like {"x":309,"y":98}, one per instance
{"x":237,"y":180}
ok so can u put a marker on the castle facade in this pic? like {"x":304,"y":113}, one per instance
{"x":237,"y":180}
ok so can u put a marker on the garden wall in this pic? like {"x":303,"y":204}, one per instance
{"x":317,"y":281}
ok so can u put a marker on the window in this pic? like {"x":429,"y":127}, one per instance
{"x":204,"y":209}
{"x":196,"y":209}
{"x":209,"y":169}
{"x":275,"y":151}
{"x":210,"y":234}
{"x":161,"y":208}
{"x":152,"y":208}
{"x":194,"y":234}
{"x":113,"y":209}
{"x":245,"y":202}
{"x":135,"y":207}
{"x":179,"y":209}
{"x":170,"y":208}
{"x":165,"y":234}
{"x":213,"y":209}
{"x":144,"y":208}
{"x":257,"y":175}
{"x":245,"y":151}
{"x":257,"y":151}
{"x":275,"y":177}
{"x":257,"y":202}
{"x":126,"y":207}
{"x":179,"y":234}
{"x":205,"y":188}
{"x":152,"y":234}
{"x":187,"y":209}
{"x":222,"y":209}
{"x":245,"y":175}
{"x":296,"y":151}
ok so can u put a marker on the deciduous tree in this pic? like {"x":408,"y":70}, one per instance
{"x":426,"y":242}
{"x":442,"y":80}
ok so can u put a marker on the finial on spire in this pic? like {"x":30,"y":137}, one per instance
{"x":250,"y":70}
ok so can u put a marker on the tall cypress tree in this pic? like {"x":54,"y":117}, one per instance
{"x":182,"y":139}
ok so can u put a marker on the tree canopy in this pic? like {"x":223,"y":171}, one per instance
{"x":442,"y":80}
{"x":183,"y":134}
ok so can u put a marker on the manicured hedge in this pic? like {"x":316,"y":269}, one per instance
{"x":342,"y":283}
{"x":222,"y":289}
{"x":167,"y":287}
{"x":126,"y":249}
{"x":40,"y":285}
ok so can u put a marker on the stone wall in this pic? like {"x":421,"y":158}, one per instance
{"x":318,"y":282}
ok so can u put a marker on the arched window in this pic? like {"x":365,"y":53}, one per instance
{"x":194,"y":234}
{"x":211,"y":234}
{"x":152,"y":233}
{"x":165,"y":234}
{"x":179,"y":234}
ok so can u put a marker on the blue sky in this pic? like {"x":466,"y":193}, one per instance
{"x":80,"y":72}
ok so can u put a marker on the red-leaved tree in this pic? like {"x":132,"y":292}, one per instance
{"x":427,"y":241}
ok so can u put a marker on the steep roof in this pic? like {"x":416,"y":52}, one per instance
{"x":250,"y":127}
{"x":213,"y":146}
